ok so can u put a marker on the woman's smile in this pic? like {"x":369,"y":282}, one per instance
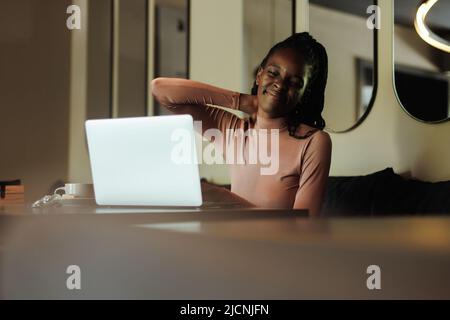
{"x":274,"y":94}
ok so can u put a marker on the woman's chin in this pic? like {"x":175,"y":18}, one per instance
{"x":274,"y":111}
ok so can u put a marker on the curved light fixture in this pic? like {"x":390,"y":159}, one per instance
{"x":424,"y":32}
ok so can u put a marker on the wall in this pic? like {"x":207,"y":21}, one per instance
{"x":217,"y":42}
{"x":216,"y":55}
{"x":34,"y":93}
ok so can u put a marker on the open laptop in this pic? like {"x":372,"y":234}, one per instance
{"x":145,"y":161}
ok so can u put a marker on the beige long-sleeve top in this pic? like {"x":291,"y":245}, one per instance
{"x":299,"y":180}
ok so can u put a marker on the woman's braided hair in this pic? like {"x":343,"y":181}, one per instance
{"x":311,"y":103}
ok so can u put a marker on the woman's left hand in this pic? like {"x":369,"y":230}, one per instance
{"x":213,"y":193}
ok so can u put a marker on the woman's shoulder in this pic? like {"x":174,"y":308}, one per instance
{"x":305,"y":130}
{"x":314,"y":138}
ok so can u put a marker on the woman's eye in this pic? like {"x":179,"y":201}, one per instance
{"x":271,"y":73}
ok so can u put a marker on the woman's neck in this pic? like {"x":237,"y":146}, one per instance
{"x":264,"y":121}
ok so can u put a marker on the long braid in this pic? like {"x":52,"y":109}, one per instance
{"x":310,"y":107}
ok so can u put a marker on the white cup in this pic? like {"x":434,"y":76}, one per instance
{"x":77,"y":190}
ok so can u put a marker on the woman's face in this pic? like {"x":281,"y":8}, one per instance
{"x":280,"y":83}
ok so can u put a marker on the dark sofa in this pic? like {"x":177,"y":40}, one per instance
{"x":385,"y":193}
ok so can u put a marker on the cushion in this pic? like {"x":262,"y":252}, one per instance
{"x":384,"y":193}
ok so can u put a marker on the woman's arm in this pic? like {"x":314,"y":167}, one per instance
{"x":183,"y":96}
{"x":219,"y":195}
{"x":314,"y":174}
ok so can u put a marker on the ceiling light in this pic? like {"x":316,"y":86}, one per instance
{"x":424,"y":32}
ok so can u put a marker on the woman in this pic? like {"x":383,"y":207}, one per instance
{"x":288,"y":96}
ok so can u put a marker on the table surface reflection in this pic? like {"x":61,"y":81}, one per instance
{"x":220,"y":254}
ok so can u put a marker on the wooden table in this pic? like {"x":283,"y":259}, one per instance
{"x":219,"y":254}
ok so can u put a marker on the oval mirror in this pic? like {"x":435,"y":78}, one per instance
{"x":422,"y":58}
{"x":344,"y":28}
